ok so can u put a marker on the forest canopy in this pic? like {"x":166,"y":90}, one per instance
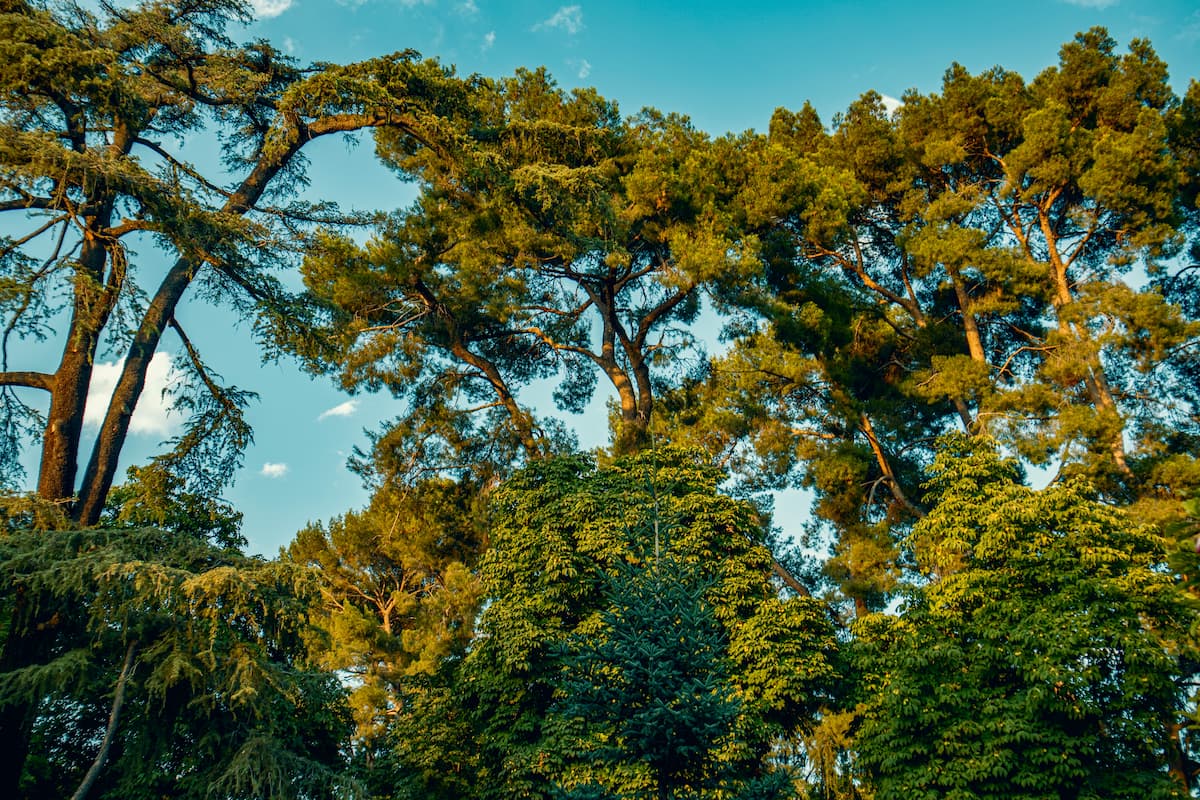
{"x":967,"y":325}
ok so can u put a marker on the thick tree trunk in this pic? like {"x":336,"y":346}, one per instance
{"x":69,"y":388}
{"x":103,"y":463}
{"x":64,"y":422}
{"x":102,"y":466}
{"x":632,"y":434}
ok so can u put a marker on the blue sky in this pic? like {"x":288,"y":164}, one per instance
{"x":727,"y":66}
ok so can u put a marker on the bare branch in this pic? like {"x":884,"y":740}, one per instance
{"x":194,"y":357}
{"x":31,"y":380}
{"x":184,"y":168}
{"x":32,"y":235}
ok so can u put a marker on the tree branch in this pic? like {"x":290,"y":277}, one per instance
{"x":113,"y":715}
{"x":31,"y":380}
{"x":216,"y":391}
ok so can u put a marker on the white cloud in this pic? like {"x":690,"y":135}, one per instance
{"x":273,"y":470}
{"x":266,"y":9}
{"x":569,"y":18}
{"x":585,"y":69}
{"x":1092,"y":3}
{"x":340,"y":410}
{"x":289,"y":45}
{"x":468,"y":8}
{"x":153,"y":413}
{"x":890,"y":103}
{"x":489,"y":39}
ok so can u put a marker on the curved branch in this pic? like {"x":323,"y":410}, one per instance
{"x":31,"y":380}
{"x":186,"y":169}
{"x":197,"y":364}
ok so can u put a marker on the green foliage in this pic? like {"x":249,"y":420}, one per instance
{"x":555,"y":240}
{"x":97,"y":103}
{"x":970,"y":260}
{"x":562,"y":531}
{"x":1047,"y":655}
{"x":508,"y":618}
{"x":156,"y":497}
{"x":649,"y":692}
{"x":219,"y":697}
{"x":397,"y":597}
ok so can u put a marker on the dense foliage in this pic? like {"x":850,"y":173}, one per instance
{"x":1047,"y":656}
{"x":919,"y":307}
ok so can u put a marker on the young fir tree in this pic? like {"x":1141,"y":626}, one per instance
{"x":650,"y":696}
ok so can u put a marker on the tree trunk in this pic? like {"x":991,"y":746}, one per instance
{"x":974,"y":347}
{"x":885,"y":466}
{"x":1095,"y":380}
{"x":64,"y":423}
{"x":102,"y":467}
{"x":1177,"y":760}
{"x":68,"y":395}
{"x":522,"y":421}
{"x":22,"y":647}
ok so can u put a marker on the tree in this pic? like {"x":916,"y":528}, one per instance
{"x":561,"y":529}
{"x":971,"y":260}
{"x":155,"y":663}
{"x":650,"y":695}
{"x":1047,"y":655}
{"x":561,"y":241}
{"x":92,"y":104}
{"x":398,"y":595}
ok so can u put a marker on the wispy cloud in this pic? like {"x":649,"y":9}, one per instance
{"x":585,"y":68}
{"x":355,"y":4}
{"x":1190,"y":30}
{"x":568,"y":18}
{"x":266,"y":9}
{"x":890,"y":103}
{"x":153,"y":414}
{"x":345,"y":409}
{"x":1092,"y":3}
{"x":272,"y":469}
{"x":489,"y":39}
{"x":289,"y":45}
{"x":468,"y":8}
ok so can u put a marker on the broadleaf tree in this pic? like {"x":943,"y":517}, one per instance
{"x":562,"y":530}
{"x":1050,"y":652}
